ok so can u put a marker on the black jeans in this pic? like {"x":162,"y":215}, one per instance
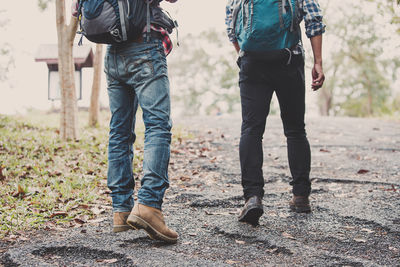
{"x":259,"y":78}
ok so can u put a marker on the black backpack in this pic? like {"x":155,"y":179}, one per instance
{"x":118,"y":21}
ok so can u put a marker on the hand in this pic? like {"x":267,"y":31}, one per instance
{"x":318,"y":77}
{"x":74,"y":8}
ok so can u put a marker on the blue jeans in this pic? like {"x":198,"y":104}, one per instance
{"x":137,"y":74}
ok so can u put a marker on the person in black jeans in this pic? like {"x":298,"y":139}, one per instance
{"x":260,"y":76}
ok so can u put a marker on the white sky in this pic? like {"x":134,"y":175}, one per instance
{"x":28,"y":28}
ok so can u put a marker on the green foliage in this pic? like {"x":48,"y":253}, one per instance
{"x":46,"y":182}
{"x":360,"y":74}
{"x":204,"y":74}
{"x":43,"y":4}
{"x":387,"y":7}
{"x":42,"y":175}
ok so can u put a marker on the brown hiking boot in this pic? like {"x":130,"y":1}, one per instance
{"x":300,"y":204}
{"x":120,"y":224}
{"x":152,"y":221}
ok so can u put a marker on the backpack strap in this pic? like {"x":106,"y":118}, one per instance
{"x":148,"y":27}
{"x":235,"y":13}
{"x":79,"y":16}
{"x":281,"y":8}
{"x":293,"y":16}
{"x":122,"y":20}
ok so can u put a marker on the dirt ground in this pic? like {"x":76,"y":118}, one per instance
{"x":355,"y":201}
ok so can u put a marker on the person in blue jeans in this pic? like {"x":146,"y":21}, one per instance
{"x":137,"y":75}
{"x":261,"y":75}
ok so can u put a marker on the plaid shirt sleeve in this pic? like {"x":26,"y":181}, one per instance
{"x":229,"y":20}
{"x":312,"y":16}
{"x":166,"y":40}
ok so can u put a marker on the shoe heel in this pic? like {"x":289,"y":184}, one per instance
{"x":122,"y":228}
{"x":303,"y":210}
{"x":252,"y":216}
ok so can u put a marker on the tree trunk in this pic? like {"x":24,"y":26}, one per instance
{"x":94,"y":108}
{"x":325,"y":101}
{"x":66,"y":69}
{"x":370,"y":104}
{"x":325,"y":97}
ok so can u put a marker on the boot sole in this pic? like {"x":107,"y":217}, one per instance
{"x":252,"y":216}
{"x":139,"y":223}
{"x":122,"y":228}
{"x":300,"y":209}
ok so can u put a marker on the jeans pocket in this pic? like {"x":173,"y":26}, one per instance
{"x":138,"y":66}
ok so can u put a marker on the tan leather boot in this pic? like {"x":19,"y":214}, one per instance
{"x":152,"y":221}
{"x":300,"y":204}
{"x":120,"y":224}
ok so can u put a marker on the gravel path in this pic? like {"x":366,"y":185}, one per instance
{"x":355,"y":200}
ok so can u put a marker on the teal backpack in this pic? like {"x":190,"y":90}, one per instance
{"x":266,"y":25}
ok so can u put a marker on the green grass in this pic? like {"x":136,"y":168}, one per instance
{"x":45,"y":179}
